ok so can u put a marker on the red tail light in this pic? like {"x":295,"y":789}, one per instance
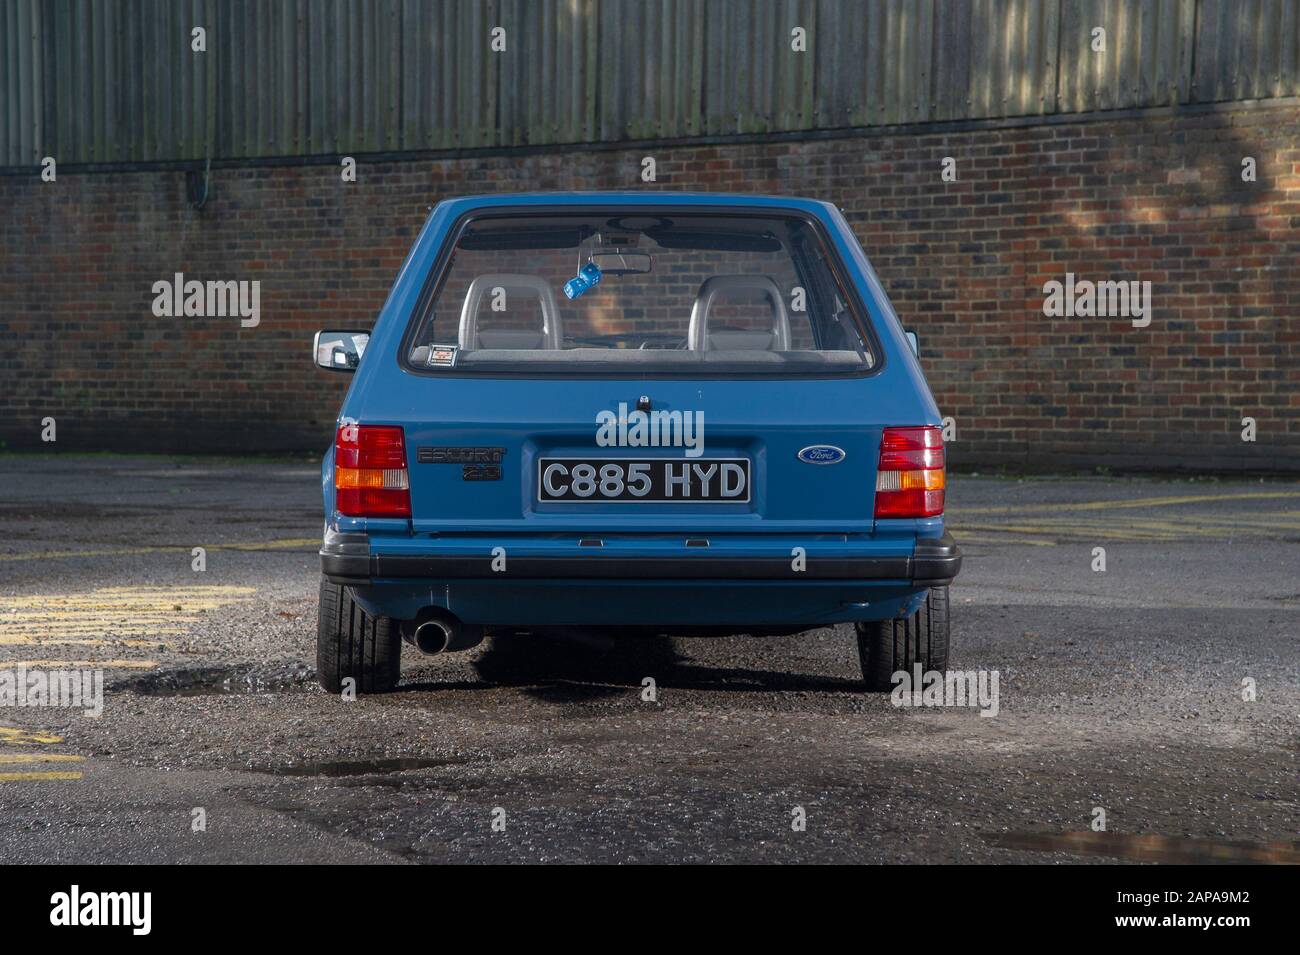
{"x":910,"y":480}
{"x":370,"y":478}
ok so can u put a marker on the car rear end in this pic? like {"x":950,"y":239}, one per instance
{"x":724,"y":431}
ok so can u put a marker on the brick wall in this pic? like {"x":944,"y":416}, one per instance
{"x":1154,"y":197}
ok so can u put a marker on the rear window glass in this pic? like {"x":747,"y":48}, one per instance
{"x":637,"y":293}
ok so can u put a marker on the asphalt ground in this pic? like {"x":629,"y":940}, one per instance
{"x":1120,"y":690}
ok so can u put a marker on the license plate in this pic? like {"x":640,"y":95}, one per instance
{"x":658,"y":480}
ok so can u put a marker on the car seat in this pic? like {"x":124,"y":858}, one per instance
{"x":548,"y":337}
{"x":701,"y":338}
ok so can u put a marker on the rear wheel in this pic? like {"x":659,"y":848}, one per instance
{"x":352,"y":643}
{"x":887,"y":646}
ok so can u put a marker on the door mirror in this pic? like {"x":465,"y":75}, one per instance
{"x":914,"y":342}
{"x":340,"y":351}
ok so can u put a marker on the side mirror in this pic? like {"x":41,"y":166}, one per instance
{"x":914,"y":342}
{"x":340,"y":351}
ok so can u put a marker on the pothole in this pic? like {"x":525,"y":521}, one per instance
{"x":223,"y":681}
{"x":354,"y":767}
{"x":1150,"y":848}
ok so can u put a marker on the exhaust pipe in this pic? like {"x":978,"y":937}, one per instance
{"x":435,"y":631}
{"x":432,"y":636}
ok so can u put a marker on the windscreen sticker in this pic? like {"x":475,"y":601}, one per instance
{"x":442,"y":355}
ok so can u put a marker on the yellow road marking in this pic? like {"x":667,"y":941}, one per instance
{"x":83,"y":664}
{"x":15,"y":736}
{"x":1254,"y":522}
{"x":967,"y":538}
{"x":25,"y":641}
{"x":56,"y":554}
{"x":1032,"y":523}
{"x":120,"y":615}
{"x":148,"y":593}
{"x":1066,"y":530}
{"x":109,"y":612}
{"x":20,"y":737}
{"x":161,"y":589}
{"x":1165,"y":529}
{"x":102,"y":610}
{"x":292,"y":543}
{"x":91,"y":627}
{"x":1171,"y":527}
{"x":112,"y":598}
{"x":112,"y":617}
{"x":78,"y":641}
{"x":1126,"y":503}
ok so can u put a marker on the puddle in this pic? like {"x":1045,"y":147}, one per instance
{"x":1150,"y":848}
{"x":357,"y":767}
{"x":224,"y":681}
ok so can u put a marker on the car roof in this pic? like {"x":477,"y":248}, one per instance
{"x":653,"y":197}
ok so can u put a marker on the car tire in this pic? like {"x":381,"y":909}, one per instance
{"x":352,"y":643}
{"x":887,"y":646}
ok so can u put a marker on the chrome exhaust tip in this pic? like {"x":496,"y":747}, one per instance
{"x":433,"y":636}
{"x":436,"y":630}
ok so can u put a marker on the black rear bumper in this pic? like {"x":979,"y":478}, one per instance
{"x":936,"y":561}
{"x":346,"y":559}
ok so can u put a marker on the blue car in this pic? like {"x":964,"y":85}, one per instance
{"x":656,"y":412}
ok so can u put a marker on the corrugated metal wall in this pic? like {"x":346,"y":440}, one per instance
{"x":116,"y":80}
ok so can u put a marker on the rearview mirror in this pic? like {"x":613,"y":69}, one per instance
{"x":340,"y":351}
{"x":914,"y":342}
{"x":622,"y":263}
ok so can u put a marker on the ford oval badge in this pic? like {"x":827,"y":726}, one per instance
{"x":821,"y":454}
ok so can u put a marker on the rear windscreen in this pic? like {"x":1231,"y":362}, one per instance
{"x":643,"y":294}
